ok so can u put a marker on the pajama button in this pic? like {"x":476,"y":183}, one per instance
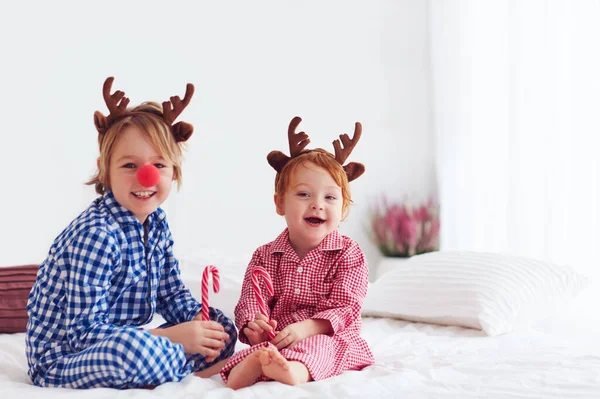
{"x":297,"y":291}
{"x":300,"y":269}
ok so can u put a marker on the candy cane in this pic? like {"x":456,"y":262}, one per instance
{"x":216,"y":287}
{"x":261,"y":271}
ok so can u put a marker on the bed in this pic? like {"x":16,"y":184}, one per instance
{"x":557,"y":357}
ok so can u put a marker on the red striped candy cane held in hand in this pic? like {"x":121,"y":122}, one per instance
{"x":216,"y":287}
{"x":261,"y":271}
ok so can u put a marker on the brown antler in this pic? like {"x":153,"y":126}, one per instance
{"x":341,"y":154}
{"x":298,"y":141}
{"x":172,"y":109}
{"x":116,"y":103}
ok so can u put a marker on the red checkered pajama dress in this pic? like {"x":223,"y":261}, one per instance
{"x":329,"y":283}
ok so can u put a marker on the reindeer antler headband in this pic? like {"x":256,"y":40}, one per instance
{"x":117,"y":105}
{"x":298,"y":141}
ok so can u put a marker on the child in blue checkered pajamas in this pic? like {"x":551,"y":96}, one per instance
{"x":113,"y":268}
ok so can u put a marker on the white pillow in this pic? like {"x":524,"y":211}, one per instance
{"x":231,"y":275}
{"x":577,"y":318}
{"x":485,"y":291}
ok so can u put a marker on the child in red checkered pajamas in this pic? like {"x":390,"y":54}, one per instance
{"x":319,"y":276}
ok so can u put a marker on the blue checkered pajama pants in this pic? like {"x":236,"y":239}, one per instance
{"x":132,"y":358}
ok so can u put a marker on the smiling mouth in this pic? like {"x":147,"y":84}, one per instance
{"x":143,"y":194}
{"x":314,"y":221}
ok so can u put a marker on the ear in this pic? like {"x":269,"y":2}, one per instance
{"x":277,"y":160}
{"x":279,"y":205}
{"x":98,"y":163}
{"x":100,"y":122}
{"x":182,"y":131}
{"x":354,"y":170}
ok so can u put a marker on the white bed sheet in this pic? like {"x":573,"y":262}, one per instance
{"x":412,"y":361}
{"x":558,"y":359}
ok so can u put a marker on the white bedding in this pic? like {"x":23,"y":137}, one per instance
{"x":412,"y":361}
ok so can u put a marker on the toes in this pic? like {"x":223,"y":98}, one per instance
{"x":257,"y":352}
{"x":277,"y":357}
{"x":264,"y":358}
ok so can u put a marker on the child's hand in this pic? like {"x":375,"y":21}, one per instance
{"x":204,"y":337}
{"x":291,"y":335}
{"x":296,"y":332}
{"x":256,"y":331}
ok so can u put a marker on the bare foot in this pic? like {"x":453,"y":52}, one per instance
{"x":245,"y":373}
{"x":278,"y":368}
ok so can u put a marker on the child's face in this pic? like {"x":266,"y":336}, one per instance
{"x":312,"y":206}
{"x":132,"y":151}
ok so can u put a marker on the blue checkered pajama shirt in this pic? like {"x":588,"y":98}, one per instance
{"x":105,"y":276}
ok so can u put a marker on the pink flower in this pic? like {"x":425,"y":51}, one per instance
{"x":404,"y":230}
{"x":422,"y":213}
{"x":409,"y":232}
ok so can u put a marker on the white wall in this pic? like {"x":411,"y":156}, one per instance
{"x":255,"y":65}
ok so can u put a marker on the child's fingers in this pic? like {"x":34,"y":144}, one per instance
{"x":264,"y":326}
{"x":217,"y":335}
{"x":209,"y":352}
{"x":260,"y":316}
{"x":253,"y":325}
{"x":213,"y":343}
{"x":281,"y":335}
{"x":283,"y":340}
{"x":253,"y":336}
{"x":251,"y":333}
{"x":212,"y":325}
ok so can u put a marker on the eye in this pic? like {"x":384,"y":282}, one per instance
{"x":129,"y":165}
{"x":302,"y":194}
{"x":159,"y":165}
{"x":330,"y":198}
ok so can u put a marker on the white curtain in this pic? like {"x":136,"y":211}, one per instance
{"x":517,"y":120}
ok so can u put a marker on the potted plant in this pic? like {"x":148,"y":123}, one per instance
{"x":404,"y":229}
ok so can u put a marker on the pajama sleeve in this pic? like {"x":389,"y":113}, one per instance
{"x":89,"y":263}
{"x":349,"y":287}
{"x":247,"y":306}
{"x":175,"y":302}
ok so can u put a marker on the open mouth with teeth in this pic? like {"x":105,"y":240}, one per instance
{"x":314,"y":221}
{"x":143,"y":195}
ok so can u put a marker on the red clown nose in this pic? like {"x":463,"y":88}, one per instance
{"x":148,"y":175}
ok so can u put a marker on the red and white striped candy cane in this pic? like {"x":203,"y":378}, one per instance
{"x":216,"y":287}
{"x":261,"y":271}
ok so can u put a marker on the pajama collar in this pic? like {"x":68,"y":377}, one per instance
{"x":124,"y":216}
{"x":332,"y":242}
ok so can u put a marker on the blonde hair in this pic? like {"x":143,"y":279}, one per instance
{"x":148,"y":118}
{"x":323,"y":159}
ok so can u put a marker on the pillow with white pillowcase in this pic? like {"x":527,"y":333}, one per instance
{"x":231,"y":272}
{"x":491,"y":292}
